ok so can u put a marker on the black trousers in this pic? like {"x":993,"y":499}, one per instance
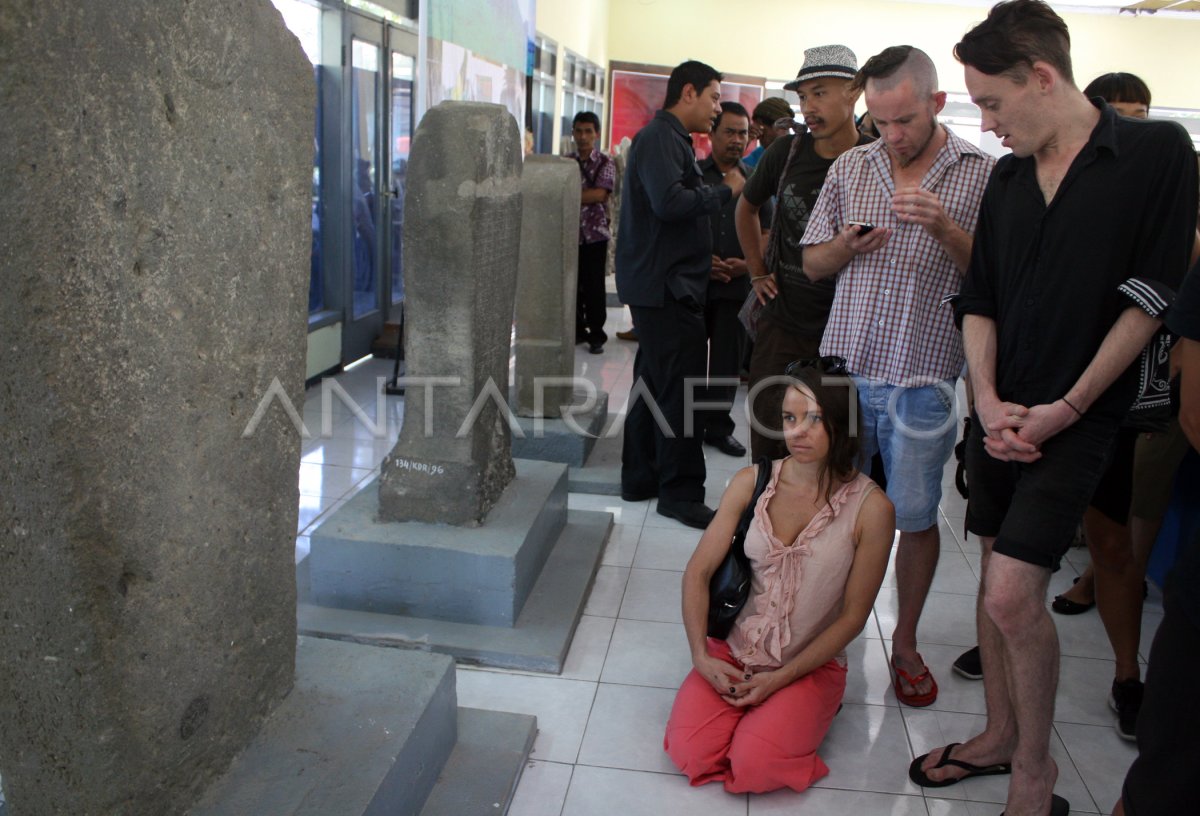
{"x":671,"y":357}
{"x":591,"y":306}
{"x":726,"y":348}
{"x":774,"y":348}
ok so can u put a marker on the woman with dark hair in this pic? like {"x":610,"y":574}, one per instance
{"x":756,"y":706}
{"x":1127,"y":94}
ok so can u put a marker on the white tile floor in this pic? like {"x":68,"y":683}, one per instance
{"x":600,"y":723}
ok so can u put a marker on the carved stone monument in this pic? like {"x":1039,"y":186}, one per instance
{"x":556,"y":421}
{"x":462,"y":216}
{"x":154,"y":246}
{"x":546,"y":285}
{"x":450,"y":555}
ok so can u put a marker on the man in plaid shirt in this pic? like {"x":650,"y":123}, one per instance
{"x":894,"y":223}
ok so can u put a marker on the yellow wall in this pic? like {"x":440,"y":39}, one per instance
{"x":768,"y":37}
{"x":324,"y":350}
{"x":580,"y":25}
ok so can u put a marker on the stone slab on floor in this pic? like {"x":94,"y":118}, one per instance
{"x":481,"y":775}
{"x":601,"y":473}
{"x":543,"y":632}
{"x":476,"y":575}
{"x":365,"y":732}
{"x":556,"y":440}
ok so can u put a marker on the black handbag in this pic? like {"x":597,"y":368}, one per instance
{"x":729,"y":586}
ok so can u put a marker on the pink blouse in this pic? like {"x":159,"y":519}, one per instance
{"x":797,"y":587}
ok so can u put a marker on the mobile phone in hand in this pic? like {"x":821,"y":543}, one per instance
{"x":863,"y":226}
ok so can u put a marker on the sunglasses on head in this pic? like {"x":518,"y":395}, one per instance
{"x":826,"y":365}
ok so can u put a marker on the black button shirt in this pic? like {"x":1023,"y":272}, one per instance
{"x":1056,"y":277}
{"x":663,"y":243}
{"x":723,"y":228}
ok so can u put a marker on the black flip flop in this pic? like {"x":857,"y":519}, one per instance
{"x":1058,"y":806}
{"x":918,"y":776}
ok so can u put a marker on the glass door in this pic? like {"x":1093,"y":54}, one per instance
{"x":363,"y":288}
{"x":380,"y":89}
{"x":401,"y":101}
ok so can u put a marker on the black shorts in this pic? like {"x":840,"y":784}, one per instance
{"x":1161,"y":779}
{"x":1115,"y":492}
{"x":1032,"y":510}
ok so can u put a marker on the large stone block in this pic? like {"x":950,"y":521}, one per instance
{"x":154,"y":243}
{"x":480,"y":576}
{"x":546,"y":286}
{"x":462,"y":217}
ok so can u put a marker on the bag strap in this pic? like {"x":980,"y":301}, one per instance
{"x":764,"y":477}
{"x":776,"y":233}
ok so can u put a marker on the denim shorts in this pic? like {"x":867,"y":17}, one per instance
{"x":913,"y":429}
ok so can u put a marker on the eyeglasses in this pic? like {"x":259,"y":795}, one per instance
{"x":826,"y":365}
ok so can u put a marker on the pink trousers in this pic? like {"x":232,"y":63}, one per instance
{"x":756,"y":749}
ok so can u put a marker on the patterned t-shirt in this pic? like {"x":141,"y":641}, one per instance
{"x":599,"y":170}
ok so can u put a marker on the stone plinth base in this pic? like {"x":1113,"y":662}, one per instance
{"x":364,"y":731}
{"x":538,"y":642}
{"x":479,"y":575}
{"x":601,"y":473}
{"x":553,"y":440}
{"x":368,"y":732}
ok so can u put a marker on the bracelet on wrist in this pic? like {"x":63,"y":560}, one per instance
{"x":1072,"y":407}
{"x":755,"y":278}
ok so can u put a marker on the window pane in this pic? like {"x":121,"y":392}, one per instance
{"x":364,"y":89}
{"x":304,"y":21}
{"x":402,"y":105}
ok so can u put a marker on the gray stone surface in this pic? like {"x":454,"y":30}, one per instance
{"x":569,"y":440}
{"x":462,"y":217}
{"x":538,"y":642}
{"x":154,"y":244}
{"x":546,"y":286}
{"x":480,"y":575}
{"x":481,"y":775}
{"x":365,"y":731}
{"x":601,"y":473}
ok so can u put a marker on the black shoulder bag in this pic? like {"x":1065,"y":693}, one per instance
{"x":729,"y":586}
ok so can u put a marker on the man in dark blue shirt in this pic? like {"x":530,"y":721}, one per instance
{"x":663,"y":263}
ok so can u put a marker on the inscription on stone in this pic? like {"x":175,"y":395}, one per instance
{"x":462,"y":216}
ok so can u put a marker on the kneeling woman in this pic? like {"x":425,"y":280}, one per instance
{"x":755,"y":707}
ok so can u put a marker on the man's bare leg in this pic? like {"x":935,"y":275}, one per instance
{"x":916,"y":561}
{"x":998,"y":740}
{"x":1014,"y":600}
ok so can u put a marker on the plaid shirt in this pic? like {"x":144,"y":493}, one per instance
{"x":888,"y":318}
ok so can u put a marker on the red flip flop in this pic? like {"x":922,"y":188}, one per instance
{"x":914,"y":700}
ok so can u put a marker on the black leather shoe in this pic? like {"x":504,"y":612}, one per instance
{"x":638,"y":495}
{"x":693,"y":514}
{"x":969,"y":665}
{"x":726,"y":445}
{"x":595,"y":348}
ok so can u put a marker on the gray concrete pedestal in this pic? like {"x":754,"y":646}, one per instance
{"x":554,"y":439}
{"x":373,"y":732}
{"x":507,"y":594}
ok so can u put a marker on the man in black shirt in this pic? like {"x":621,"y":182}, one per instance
{"x":728,"y":284}
{"x":793,"y":319}
{"x":663,"y":262}
{"x":1083,"y":234}
{"x":1168,"y":731}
